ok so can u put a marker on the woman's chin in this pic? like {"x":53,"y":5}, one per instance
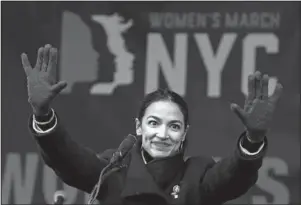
{"x":159,"y":153}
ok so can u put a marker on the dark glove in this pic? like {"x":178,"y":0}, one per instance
{"x":259,"y":107}
{"x":41,"y":80}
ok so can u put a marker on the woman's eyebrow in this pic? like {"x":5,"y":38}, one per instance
{"x":159,"y":119}
{"x":155,"y":117}
{"x":176,"y":121}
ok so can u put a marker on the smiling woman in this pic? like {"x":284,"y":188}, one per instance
{"x":163,"y":124}
{"x":153,"y":170}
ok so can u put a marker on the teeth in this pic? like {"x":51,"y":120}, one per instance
{"x":160,"y":143}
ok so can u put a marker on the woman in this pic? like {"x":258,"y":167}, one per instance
{"x":154,"y":170}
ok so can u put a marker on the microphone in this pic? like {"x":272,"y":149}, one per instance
{"x":59,"y":197}
{"x":125,"y":146}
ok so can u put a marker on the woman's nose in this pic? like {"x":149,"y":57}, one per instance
{"x":162,"y":132}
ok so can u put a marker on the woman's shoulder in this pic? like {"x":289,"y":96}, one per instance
{"x":199,"y":161}
{"x":196,"y":167}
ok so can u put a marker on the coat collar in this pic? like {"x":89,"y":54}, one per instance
{"x":148,"y":178}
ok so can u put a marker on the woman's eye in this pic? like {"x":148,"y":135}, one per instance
{"x":152,"y":122}
{"x":175,"y":127}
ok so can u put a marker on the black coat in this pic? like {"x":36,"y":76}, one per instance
{"x":200,"y":179}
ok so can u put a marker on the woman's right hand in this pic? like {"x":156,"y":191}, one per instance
{"x":41,"y":80}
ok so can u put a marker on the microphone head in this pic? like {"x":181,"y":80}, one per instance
{"x":59,"y":197}
{"x":127,"y":144}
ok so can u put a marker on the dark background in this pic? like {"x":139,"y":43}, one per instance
{"x":100,"y":121}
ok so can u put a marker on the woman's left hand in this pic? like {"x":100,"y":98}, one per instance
{"x":259,"y":107}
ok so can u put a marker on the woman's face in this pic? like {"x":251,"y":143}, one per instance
{"x":162,"y":128}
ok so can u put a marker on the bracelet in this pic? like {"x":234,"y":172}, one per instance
{"x":47,"y":122}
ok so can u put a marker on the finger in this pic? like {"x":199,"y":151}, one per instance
{"x":277,"y":93}
{"x":251,"y":88}
{"x":26,"y":64}
{"x":39,"y":58}
{"x":239,"y":112}
{"x":257,"y":84}
{"x":52,"y":62}
{"x":265,"y":87}
{"x":57,"y":88}
{"x":45,"y":57}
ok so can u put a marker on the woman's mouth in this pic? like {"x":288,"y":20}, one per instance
{"x":161,"y":145}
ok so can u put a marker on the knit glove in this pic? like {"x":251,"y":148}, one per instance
{"x":259,"y":108}
{"x":42,"y":85}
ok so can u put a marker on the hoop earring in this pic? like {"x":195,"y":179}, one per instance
{"x":181,"y":146}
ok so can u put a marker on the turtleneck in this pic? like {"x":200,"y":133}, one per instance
{"x":163,"y":170}
{"x":145,"y":156}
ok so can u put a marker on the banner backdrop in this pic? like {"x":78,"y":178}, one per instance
{"x":113,"y":54}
